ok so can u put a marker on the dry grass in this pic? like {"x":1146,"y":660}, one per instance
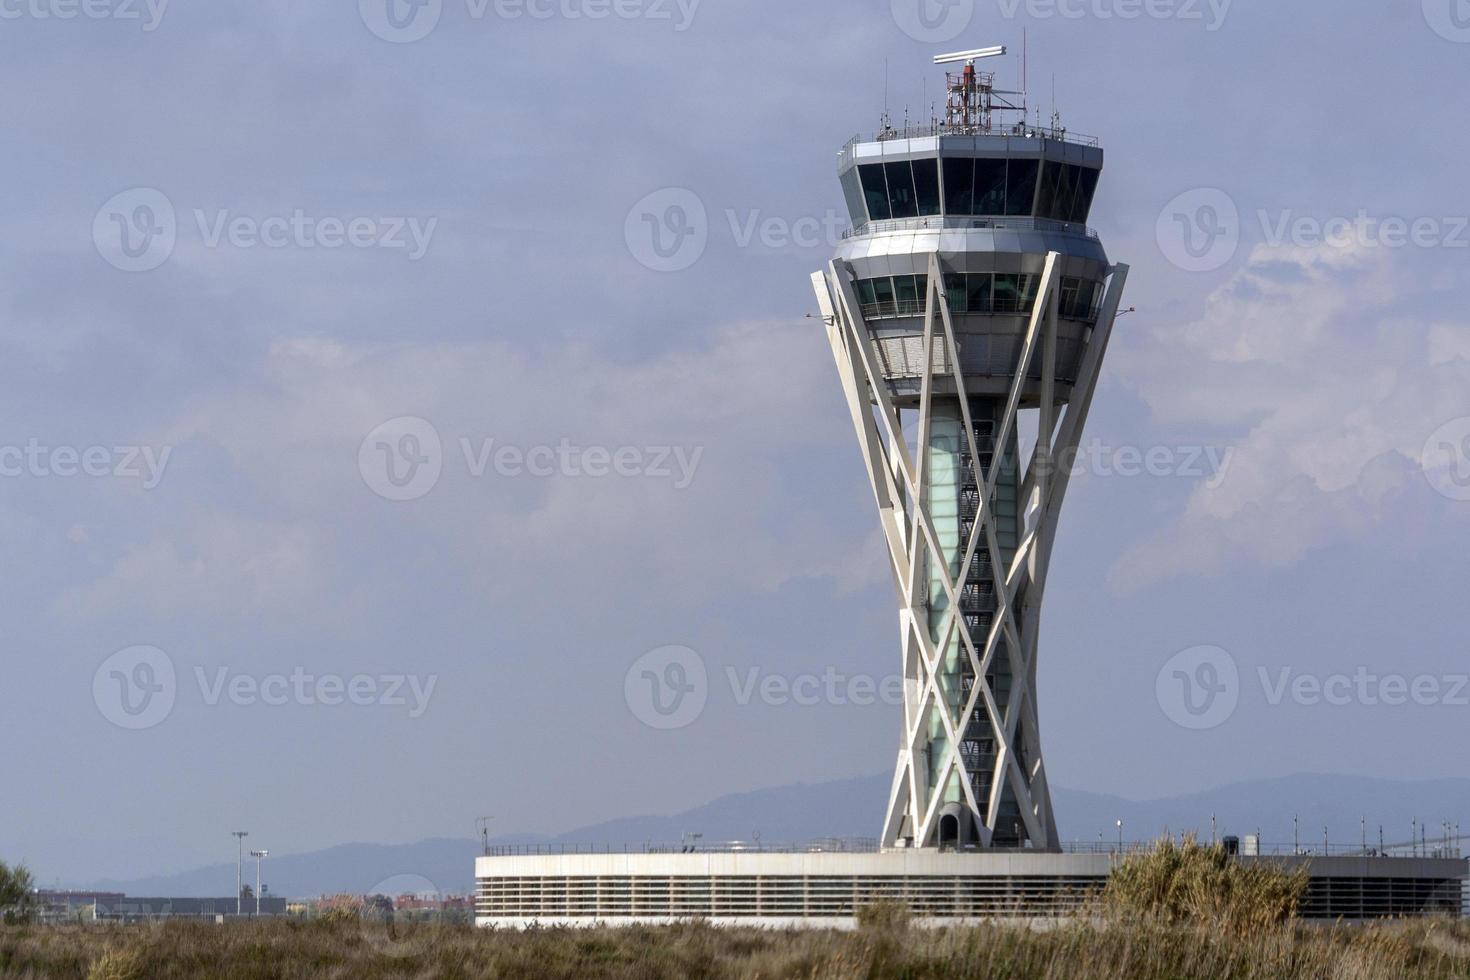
{"x":1186,"y":882}
{"x":885,"y":947}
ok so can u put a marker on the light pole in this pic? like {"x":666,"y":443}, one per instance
{"x":259,"y":856}
{"x":1120,"y":837}
{"x":239,"y":836}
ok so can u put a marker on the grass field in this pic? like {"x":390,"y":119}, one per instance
{"x":283,"y":950}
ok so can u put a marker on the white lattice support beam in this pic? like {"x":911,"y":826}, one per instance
{"x":1005,"y":623}
{"x":902,"y":482}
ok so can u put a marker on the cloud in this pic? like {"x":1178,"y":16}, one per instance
{"x":282,"y":518}
{"x":1308,"y":364}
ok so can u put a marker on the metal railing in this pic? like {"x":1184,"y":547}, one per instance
{"x":826,"y":845}
{"x":919,"y":131}
{"x":1280,"y":850}
{"x":956,"y":222}
{"x":869,"y":845}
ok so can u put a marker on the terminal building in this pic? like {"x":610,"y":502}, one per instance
{"x":970,"y":302}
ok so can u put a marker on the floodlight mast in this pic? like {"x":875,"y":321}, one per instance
{"x":971,"y":99}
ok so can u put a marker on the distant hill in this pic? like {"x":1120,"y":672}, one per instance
{"x":852,"y":808}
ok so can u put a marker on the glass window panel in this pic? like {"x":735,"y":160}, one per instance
{"x":875,"y":191}
{"x":1047,"y":201}
{"x":990,"y":187}
{"x":955,"y":292}
{"x":926,"y":186}
{"x":1030,"y":286}
{"x":857,"y":210}
{"x":959,"y":189}
{"x":905,"y":291}
{"x":1067,"y":193}
{"x":867,"y":295}
{"x":1007,"y":293}
{"x":978,"y":290}
{"x":901,"y":190}
{"x":921,"y":286}
{"x":1070,"y":290}
{"x":1087,"y":187}
{"x":883,"y":290}
{"x":1021,"y":186}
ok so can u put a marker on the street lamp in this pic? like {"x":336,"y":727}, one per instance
{"x":259,"y":856}
{"x":239,"y":836}
{"x":1120,"y":837}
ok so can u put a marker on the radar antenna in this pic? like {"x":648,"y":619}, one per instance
{"x":973,"y":98}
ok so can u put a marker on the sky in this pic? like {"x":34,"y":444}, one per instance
{"x":363,"y":452}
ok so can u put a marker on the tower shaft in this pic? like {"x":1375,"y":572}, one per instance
{"x":970,"y":526}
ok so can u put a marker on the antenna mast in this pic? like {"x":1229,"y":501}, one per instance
{"x":972,"y":97}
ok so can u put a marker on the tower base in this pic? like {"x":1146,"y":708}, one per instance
{"x":827,"y":890}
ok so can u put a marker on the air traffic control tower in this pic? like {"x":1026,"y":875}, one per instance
{"x":969,"y":300}
{"x":969,"y":304}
